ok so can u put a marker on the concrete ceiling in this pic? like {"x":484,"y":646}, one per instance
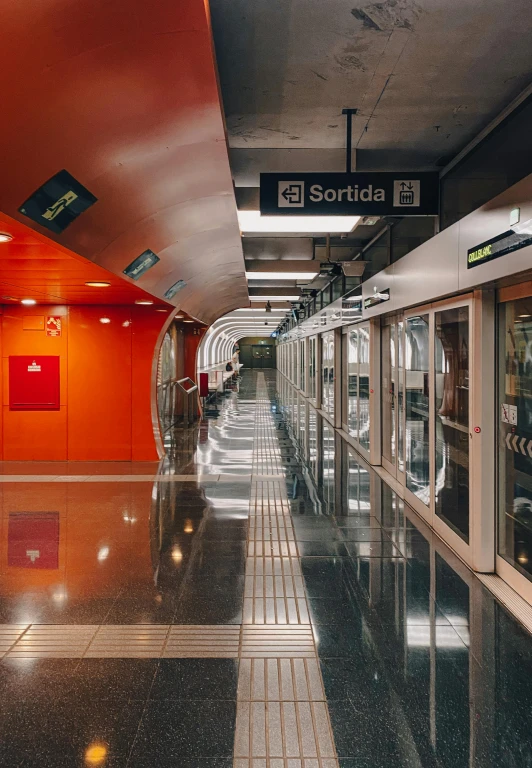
{"x":426,"y":76}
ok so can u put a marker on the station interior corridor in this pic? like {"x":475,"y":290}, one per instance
{"x":261,"y":599}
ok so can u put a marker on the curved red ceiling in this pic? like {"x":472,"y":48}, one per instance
{"x":124,"y":96}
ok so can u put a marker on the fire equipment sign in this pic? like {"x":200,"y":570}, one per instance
{"x":53,"y":326}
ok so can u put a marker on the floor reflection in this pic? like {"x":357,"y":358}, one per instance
{"x":421,"y":666}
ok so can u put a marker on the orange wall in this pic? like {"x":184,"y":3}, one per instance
{"x":106,"y":372}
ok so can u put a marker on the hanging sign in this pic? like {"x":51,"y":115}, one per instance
{"x":349,"y":194}
{"x":509,"y":241}
{"x":142,"y":263}
{"x":53,"y":325}
{"x":58,"y":202}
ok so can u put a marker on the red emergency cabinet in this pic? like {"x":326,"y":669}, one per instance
{"x":34,"y":383}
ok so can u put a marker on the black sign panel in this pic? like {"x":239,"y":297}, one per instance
{"x":498,"y":246}
{"x":58,"y":202}
{"x":378,"y":298}
{"x":349,"y":194}
{"x":142,"y":263}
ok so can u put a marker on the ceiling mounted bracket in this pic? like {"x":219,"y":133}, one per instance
{"x":349,"y":138}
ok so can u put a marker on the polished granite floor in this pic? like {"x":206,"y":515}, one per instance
{"x":262,"y":599}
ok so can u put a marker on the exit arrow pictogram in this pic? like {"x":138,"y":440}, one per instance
{"x":292,"y":194}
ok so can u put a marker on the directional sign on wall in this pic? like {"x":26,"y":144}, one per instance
{"x":349,"y":194}
{"x":519,"y":444}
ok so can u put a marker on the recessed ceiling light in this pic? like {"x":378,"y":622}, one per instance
{"x":252,"y":221}
{"x":161,"y":310}
{"x":105,"y":320}
{"x":143,"y":301}
{"x":28,"y":302}
{"x":5,"y":238}
{"x":188,"y":321}
{"x":97,"y":284}
{"x":178,"y":317}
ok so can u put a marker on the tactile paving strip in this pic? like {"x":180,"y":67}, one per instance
{"x":284,"y":763}
{"x":277,"y":641}
{"x":201,"y":641}
{"x":9,"y":634}
{"x":283,"y":729}
{"x":280,"y":680}
{"x":282,"y":716}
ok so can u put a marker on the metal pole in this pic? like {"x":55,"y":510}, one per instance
{"x":349,"y":138}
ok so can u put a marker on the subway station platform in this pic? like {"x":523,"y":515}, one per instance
{"x":262,"y":599}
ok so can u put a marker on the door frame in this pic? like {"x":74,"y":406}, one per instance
{"x":464,"y":549}
{"x":517,"y":581}
{"x":400,"y":382}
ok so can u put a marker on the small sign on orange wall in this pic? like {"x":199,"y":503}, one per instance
{"x":53,"y":325}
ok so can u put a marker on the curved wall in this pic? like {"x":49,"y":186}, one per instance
{"x":128,"y":103}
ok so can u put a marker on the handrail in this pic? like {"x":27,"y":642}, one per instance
{"x":191,"y":389}
{"x":166,"y":387}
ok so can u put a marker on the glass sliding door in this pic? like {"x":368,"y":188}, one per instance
{"x":417,"y":358}
{"x":363,"y":386}
{"x":302,"y":365}
{"x":352,"y":382}
{"x":388,"y":394}
{"x":312,"y":366}
{"x":327,"y":397}
{"x":392,"y":395}
{"x":358,"y":384}
{"x":451,"y":365}
{"x":434,"y":347}
{"x":514,"y":418}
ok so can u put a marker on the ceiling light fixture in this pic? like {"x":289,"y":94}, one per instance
{"x":28,"y":302}
{"x":105,"y":320}
{"x":98,"y":284}
{"x":188,"y":321}
{"x":5,"y":238}
{"x":273,"y":298}
{"x":252,"y":221}
{"x":143,"y":301}
{"x":304,"y":276}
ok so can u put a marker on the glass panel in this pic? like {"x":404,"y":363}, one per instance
{"x":417,"y":406}
{"x":313,"y":441}
{"x":337,"y":288}
{"x":388,"y":392}
{"x":515,"y":434}
{"x":400,"y":397}
{"x":328,"y":467}
{"x":363,"y":386}
{"x":451,"y":366}
{"x":312,"y":367}
{"x":302,"y":365}
{"x":352,"y":382}
{"x":328,"y":372}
